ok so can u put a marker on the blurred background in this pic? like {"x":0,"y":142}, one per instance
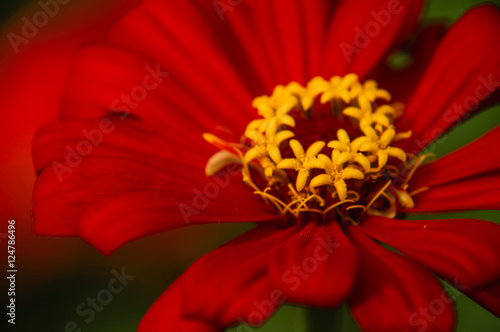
{"x":56,"y":275}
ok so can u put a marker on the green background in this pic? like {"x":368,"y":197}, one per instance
{"x":50,"y":305}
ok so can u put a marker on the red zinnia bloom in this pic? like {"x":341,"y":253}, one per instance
{"x":126,"y":160}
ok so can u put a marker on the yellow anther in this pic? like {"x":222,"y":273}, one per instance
{"x":220,"y":160}
{"x":399,"y":108}
{"x":274,"y":122}
{"x":404,"y":198}
{"x":396,"y":152}
{"x":303,"y":161}
{"x":344,"y":145}
{"x":343,"y":136}
{"x":370,"y":147}
{"x":356,"y":90}
{"x":254,"y":153}
{"x":359,"y":112}
{"x":372,"y":92}
{"x":361,"y":160}
{"x":260,"y":125}
{"x":366,"y":116}
{"x":354,"y":112}
{"x":283,"y":101}
{"x":317,"y":85}
{"x":274,"y":109}
{"x":305,"y":96}
{"x":219,"y":142}
{"x":267,"y":144}
{"x":279,"y":103}
{"x":380,"y":120}
{"x":400,"y":136}
{"x":370,"y":132}
{"x":269,"y":166}
{"x":386,"y":110}
{"x":336,"y":174}
{"x":379,"y":145}
{"x":339,"y":88}
{"x":364,"y":103}
{"x":356,"y":144}
{"x":340,"y":158}
{"x":264,"y":106}
{"x":387,"y":136}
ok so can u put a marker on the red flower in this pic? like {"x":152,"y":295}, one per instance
{"x":126,"y":159}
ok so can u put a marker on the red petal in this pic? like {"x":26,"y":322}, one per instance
{"x":183,"y":38}
{"x":191,"y":43}
{"x":300,"y":27}
{"x":220,"y":42}
{"x":190,"y":38}
{"x":360,"y":35}
{"x":475,"y":193}
{"x":453,"y":85}
{"x":231,"y":284}
{"x":421,"y":51}
{"x":315,"y":267}
{"x":105,"y":79}
{"x":168,"y":317}
{"x":472,"y":159}
{"x":466,"y":251}
{"x":393,"y":294}
{"x":292,"y":33}
{"x":231,"y":38}
{"x":133,"y":183}
{"x":488,"y":297}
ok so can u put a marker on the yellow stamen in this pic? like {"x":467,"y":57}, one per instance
{"x":303,"y":161}
{"x":220,"y":160}
{"x":342,"y":180}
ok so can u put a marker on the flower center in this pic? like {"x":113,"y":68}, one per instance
{"x":324,"y":151}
